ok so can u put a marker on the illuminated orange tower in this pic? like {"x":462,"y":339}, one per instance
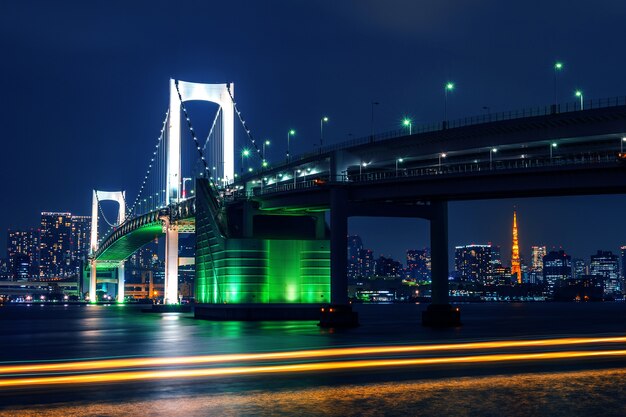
{"x":515,"y":262}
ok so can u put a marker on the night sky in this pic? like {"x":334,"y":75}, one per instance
{"x":85,"y":88}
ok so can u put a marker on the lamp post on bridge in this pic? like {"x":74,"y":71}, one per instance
{"x":448,"y":87}
{"x":265,"y":143}
{"x":398,"y":160}
{"x":295,"y":176}
{"x":244,"y":153}
{"x":441,"y":156}
{"x":621,"y":143}
{"x":361,"y":166}
{"x":579,"y":94}
{"x":374,"y":103}
{"x":408,"y":123}
{"x":552,"y":145}
{"x":289,"y":135}
{"x":558,"y":67}
{"x":491,"y":152}
{"x":322,"y":121}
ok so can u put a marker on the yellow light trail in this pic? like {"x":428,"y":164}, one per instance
{"x":294,"y":368}
{"x":111,"y":364}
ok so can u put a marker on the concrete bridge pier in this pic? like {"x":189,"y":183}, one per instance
{"x":92,"y":281}
{"x":120,"y":282}
{"x":339,"y":313}
{"x":439,"y":312}
{"x":170,"y":295}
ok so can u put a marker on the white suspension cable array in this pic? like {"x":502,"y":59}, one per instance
{"x":131,"y":209}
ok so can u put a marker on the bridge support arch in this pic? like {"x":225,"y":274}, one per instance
{"x":439,"y":312}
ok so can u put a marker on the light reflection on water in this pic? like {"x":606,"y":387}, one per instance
{"x":598,"y":392}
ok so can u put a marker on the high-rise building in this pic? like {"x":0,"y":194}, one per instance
{"x":23,"y":253}
{"x":366,"y":263}
{"x":355,"y":244}
{"x":622,"y":253}
{"x":55,"y":246}
{"x":516,"y":269}
{"x":606,"y":265}
{"x":418,"y":264}
{"x":388,"y":267}
{"x":80,"y":241}
{"x":537,"y":254}
{"x":557,"y":267}
{"x":476,"y":263}
{"x":579,"y":268}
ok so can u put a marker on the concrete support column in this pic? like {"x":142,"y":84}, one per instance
{"x":171,"y":266}
{"x":338,"y":247}
{"x":92,"y":281}
{"x":320,"y":226}
{"x":440,"y":313}
{"x":120,"y":282}
{"x":439,"y":252}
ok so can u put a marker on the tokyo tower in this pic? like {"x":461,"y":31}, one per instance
{"x":515,"y":261}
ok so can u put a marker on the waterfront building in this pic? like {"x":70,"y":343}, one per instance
{"x":476,"y":263}
{"x":579,"y":268}
{"x":418,"y":264}
{"x":22,"y":254}
{"x":557,"y":267}
{"x":622,"y":253}
{"x":388,"y":267}
{"x":80,"y":241}
{"x":355,"y":245}
{"x":606,"y":265}
{"x":537,"y":254}
{"x":55,"y":245}
{"x":366,"y":263}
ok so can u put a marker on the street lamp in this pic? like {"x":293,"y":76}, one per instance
{"x":579,"y":94}
{"x":244,"y":154}
{"x":558,"y":67}
{"x":289,"y":135}
{"x":295,"y":176}
{"x":448,"y":87}
{"x":552,"y":145}
{"x":322,"y":121}
{"x":408,"y":123}
{"x":374,"y":103}
{"x":441,"y":155}
{"x":622,"y":144}
{"x":491,"y":152}
{"x":361,"y":166}
{"x":265,"y":143}
{"x":398,"y":160}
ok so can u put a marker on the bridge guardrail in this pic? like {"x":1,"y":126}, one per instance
{"x":552,"y":109}
{"x":450,"y":169}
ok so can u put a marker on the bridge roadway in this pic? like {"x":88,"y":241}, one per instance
{"x":416,"y":175}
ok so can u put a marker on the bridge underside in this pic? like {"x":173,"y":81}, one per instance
{"x":127,"y":244}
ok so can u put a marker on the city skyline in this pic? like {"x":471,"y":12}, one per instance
{"x":394,"y":243}
{"x":112,"y":125}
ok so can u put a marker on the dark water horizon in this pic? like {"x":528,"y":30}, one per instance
{"x":52,"y":333}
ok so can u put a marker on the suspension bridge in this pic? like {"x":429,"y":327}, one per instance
{"x":262,"y":237}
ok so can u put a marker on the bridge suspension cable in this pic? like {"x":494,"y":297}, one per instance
{"x":217,"y":115}
{"x":111,"y":225}
{"x":243,"y":123}
{"x":155,"y":160}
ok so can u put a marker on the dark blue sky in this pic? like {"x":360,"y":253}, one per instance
{"x":85,"y":87}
